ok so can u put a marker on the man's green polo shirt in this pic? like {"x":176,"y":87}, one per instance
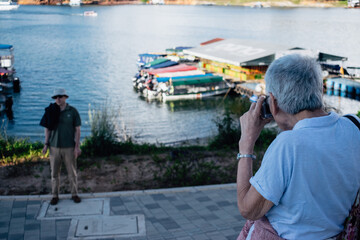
{"x":64,"y":134}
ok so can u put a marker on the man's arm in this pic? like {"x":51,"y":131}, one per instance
{"x":46,"y":143}
{"x":77,"y":150}
{"x":251,"y":204}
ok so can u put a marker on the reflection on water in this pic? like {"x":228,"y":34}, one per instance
{"x":94,"y":58}
{"x":344,"y":105}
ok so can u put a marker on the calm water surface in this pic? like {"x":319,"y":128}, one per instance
{"x":94,"y":57}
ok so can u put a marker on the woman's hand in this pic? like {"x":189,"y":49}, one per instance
{"x":251,"y":125}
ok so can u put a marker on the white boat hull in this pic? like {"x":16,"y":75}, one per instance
{"x":192,"y":96}
{"x":152,"y":95}
{"x":8,"y":7}
{"x":6,"y":85}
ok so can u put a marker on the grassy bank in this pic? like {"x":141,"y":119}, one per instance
{"x":111,"y":161}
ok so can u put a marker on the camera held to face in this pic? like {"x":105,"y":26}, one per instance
{"x":265,"y":109}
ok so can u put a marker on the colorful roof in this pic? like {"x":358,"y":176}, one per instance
{"x":177,"y":68}
{"x":164,"y":65}
{"x":196,"y":80}
{"x":5,"y":46}
{"x":178,"y":74}
{"x":155,"y":62}
{"x":165,"y":79}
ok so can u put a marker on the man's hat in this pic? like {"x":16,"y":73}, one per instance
{"x":59,"y":92}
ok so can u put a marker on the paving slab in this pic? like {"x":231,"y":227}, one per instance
{"x":66,"y":209}
{"x":206,"y":212}
{"x":107,"y":227}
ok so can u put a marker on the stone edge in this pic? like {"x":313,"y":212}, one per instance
{"x":125,"y":193}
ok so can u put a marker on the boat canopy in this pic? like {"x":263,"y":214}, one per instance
{"x":4,"y":71}
{"x":155,"y":62}
{"x":148,"y":57}
{"x":197,"y":80}
{"x":5,"y":46}
{"x":177,"y":49}
{"x":166,"y":79}
{"x":164,"y":65}
{"x":177,"y":68}
{"x":179,"y":74}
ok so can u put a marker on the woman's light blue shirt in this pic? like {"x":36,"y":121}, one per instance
{"x":311,"y":174}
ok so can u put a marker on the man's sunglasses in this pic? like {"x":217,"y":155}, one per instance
{"x":58,"y":96}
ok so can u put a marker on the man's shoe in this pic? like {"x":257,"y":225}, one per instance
{"x":54,"y":201}
{"x":76,"y":199}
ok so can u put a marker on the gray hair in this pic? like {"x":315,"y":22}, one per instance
{"x":296,"y":83}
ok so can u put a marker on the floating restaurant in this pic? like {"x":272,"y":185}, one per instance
{"x":241,"y":64}
{"x":245,"y":62}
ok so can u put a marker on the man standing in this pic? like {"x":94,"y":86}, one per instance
{"x":62,"y":137}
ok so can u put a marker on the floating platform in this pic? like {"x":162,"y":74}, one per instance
{"x":250,"y":88}
{"x":343,"y":87}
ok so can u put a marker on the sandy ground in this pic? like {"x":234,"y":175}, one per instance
{"x":123,"y":172}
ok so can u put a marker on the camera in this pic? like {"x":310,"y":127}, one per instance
{"x":265,"y":109}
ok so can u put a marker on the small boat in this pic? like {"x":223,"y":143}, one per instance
{"x":75,"y":3}
{"x":7,"y":71}
{"x":189,"y":88}
{"x":90,"y":14}
{"x":148,"y":74}
{"x":6,"y":5}
{"x":353,"y":3}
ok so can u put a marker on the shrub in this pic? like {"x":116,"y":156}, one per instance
{"x":13,"y":150}
{"x":107,"y":138}
{"x":228,"y":124}
{"x":228,"y":133}
{"x":105,"y":133}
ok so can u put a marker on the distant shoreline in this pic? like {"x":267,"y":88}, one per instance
{"x":244,"y":3}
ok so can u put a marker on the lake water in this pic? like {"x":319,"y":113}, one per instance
{"x":94,"y":57}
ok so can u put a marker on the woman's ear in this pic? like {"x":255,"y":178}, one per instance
{"x":274,"y":108}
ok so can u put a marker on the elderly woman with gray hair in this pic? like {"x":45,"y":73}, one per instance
{"x":310,"y":173}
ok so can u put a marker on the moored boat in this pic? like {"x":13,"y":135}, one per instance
{"x":6,"y":5}
{"x":75,"y":3}
{"x":148,"y":74}
{"x":7,"y":72}
{"x":90,"y":14}
{"x":344,"y":87}
{"x":184,"y":88}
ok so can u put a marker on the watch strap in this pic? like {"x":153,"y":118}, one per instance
{"x":239,"y":155}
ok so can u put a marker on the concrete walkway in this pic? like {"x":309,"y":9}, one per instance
{"x":206,"y":212}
